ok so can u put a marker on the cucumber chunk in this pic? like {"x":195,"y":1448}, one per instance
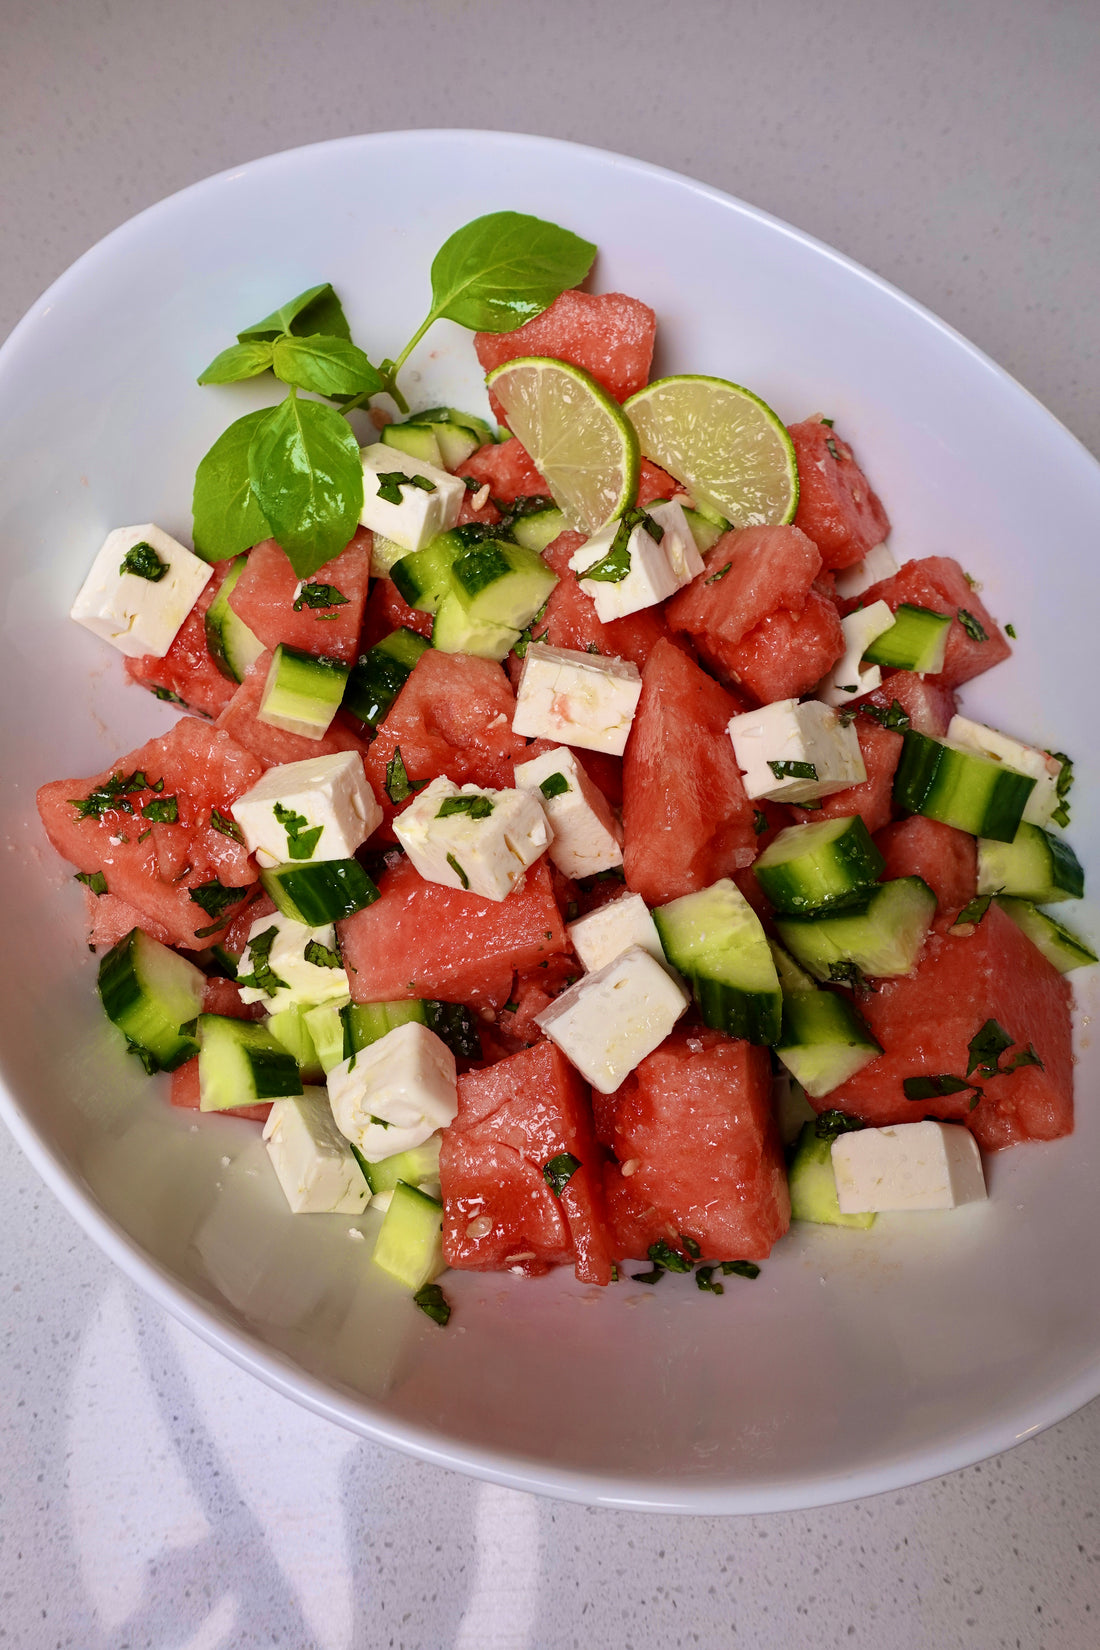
{"x":961,"y":787}
{"x":230,"y":643}
{"x":882,"y":937}
{"x":326,"y":1029}
{"x":410,"y":1246}
{"x":453,"y":416}
{"x":151,"y":992}
{"x":1035,"y":865}
{"x":302,"y":692}
{"x":242,"y":1064}
{"x":820,"y":865}
{"x":717,"y":942}
{"x":414,"y":1167}
{"x":813,"y":1184}
{"x":824,"y":1040}
{"x":502,"y":584}
{"x":791,"y":978}
{"x":1057,"y":944}
{"x":417,"y":440}
{"x":423,"y":577}
{"x":381,"y":673}
{"x":537,"y":529}
{"x":917,"y":640}
{"x":455,"y":631}
{"x":365,"y":1023}
{"x":290,"y":1027}
{"x":321,"y":892}
{"x":706,"y":530}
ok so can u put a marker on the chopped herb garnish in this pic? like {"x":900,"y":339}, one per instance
{"x":162,"y":810}
{"x":431,"y":1300}
{"x":398,"y":784}
{"x":851,"y":975}
{"x":93,"y":880}
{"x":560,"y":1171}
{"x":793,"y":770}
{"x":510,"y":1007}
{"x":721,"y":573}
{"x":704,"y":1279}
{"x":263,"y":976}
{"x":832,"y":446}
{"x":113,"y":796}
{"x":970,"y":624}
{"x":972,"y":914}
{"x":615,"y":565}
{"x":986,"y":1047}
{"x":148,"y":831}
{"x":455,"y":1025}
{"x":829,"y":422}
{"x":572,"y":911}
{"x":299,"y":843}
{"x":896,"y":719}
{"x":321,"y":956}
{"x":934,"y":1088}
{"x":555,"y":784}
{"x":662,"y":1255}
{"x":471,"y":484}
{"x":832,"y":1123}
{"x":148,"y":1060}
{"x":526,"y":637}
{"x":691,"y":1246}
{"x":1010,"y":630}
{"x":316,"y":595}
{"x":1063,"y":785}
{"x":167,"y":694}
{"x":214,"y":897}
{"x":655,"y":1276}
{"x":759,"y":821}
{"x":390,"y":483}
{"x":458,"y":871}
{"x":1025,"y":1057}
{"x":144,"y":563}
{"x":228,"y":827}
{"x":741,"y":1268}
{"x":478,"y":807}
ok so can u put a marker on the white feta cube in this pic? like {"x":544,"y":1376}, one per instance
{"x":609,"y":1021}
{"x":877,"y":564}
{"x":907,"y":1166}
{"x":322,"y":808}
{"x":649,"y":577}
{"x":140,"y":612}
{"x":848,"y":677}
{"x":466,"y":837}
{"x":1037,"y":764}
{"x":587,"y":837}
{"x":825,"y":753}
{"x":394,"y":1094}
{"x":580,"y":699}
{"x":678,"y":544}
{"x":314,"y":1163}
{"x":295,"y":965}
{"x":421,"y":514}
{"x":605,"y":934}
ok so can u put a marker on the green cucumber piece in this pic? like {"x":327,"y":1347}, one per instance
{"x":1060,"y":947}
{"x":791,"y":978}
{"x":242,"y":1064}
{"x":538,"y":528}
{"x":705,"y":530}
{"x":820,"y":865}
{"x":414,"y":1167}
{"x":423,"y":577}
{"x":151,"y":993}
{"x":456,"y":444}
{"x":824,"y":1040}
{"x":321,"y":892}
{"x":813,"y":1184}
{"x":381,"y":673}
{"x":326,"y":1028}
{"x":409,"y":1245}
{"x":502,"y":584}
{"x":435,"y":416}
{"x":455,"y":631}
{"x":365,"y":1023}
{"x":717,"y":942}
{"x":882,"y":937}
{"x":917,"y":640}
{"x":1036,"y":865}
{"x":291,"y":1028}
{"x":417,"y":440}
{"x":959,"y":786}
{"x":232,"y":646}
{"x":302,"y":692}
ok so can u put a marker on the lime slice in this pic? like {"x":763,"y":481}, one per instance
{"x":577,"y":436}
{"x":723,"y":443}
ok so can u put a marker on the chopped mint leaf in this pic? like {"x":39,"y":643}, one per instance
{"x":316,"y":595}
{"x":970,"y":624}
{"x":143,"y":562}
{"x":721,"y":573}
{"x":832,"y":446}
{"x":162,"y":810}
{"x":458,"y":871}
{"x":896,"y":719}
{"x":113,"y":796}
{"x":851,"y":975}
{"x":432,"y":1301}
{"x":398,"y":784}
{"x":299,"y":843}
{"x":661,"y":1254}
{"x":1025,"y":1057}
{"x":971,"y":915}
{"x":1063,"y":786}
{"x":704,"y":1279}
{"x":390,"y":483}
{"x":228,"y":827}
{"x":478,"y":807}
{"x":986,"y":1047}
{"x":93,"y":880}
{"x":832,"y":1123}
{"x":655,"y":1276}
{"x":934,"y":1088}
{"x":526,"y":637}
{"x":555,"y":784}
{"x":1010,"y":630}
{"x":741,"y":1268}
{"x":321,"y":956}
{"x":691,"y":1246}
{"x":214,"y":897}
{"x":455,"y":1025}
{"x":263,"y":976}
{"x":148,"y":831}
{"x":759,"y":821}
{"x":560,"y":1171}
{"x":148,"y":1060}
{"x":167,"y":695}
{"x":829,"y":422}
{"x":793,"y":770}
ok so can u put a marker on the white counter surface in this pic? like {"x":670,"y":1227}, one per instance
{"x":153,"y":1495}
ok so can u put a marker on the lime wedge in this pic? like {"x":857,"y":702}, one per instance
{"x":577,"y":436}
{"x":723,"y":443}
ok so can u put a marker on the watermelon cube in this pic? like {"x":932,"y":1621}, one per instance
{"x":241,"y":720}
{"x":187,"y":672}
{"x":611,"y":336}
{"x":387,"y":610}
{"x":837,"y":508}
{"x":785,"y":655}
{"x":746,"y":575}
{"x":946,"y":859}
{"x":975,"y":641}
{"x":507,"y":469}
{"x":277,"y":606}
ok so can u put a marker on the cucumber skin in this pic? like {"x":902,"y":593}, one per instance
{"x":272,"y":1072}
{"x":320,"y":893}
{"x":921,"y":770}
{"x":856,"y":863}
{"x":801,"y":935}
{"x":121,"y":993}
{"x":815,"y":1022}
{"x":755,"y":1016}
{"x":1063,"y":950}
{"x":219,"y":616}
{"x":380,"y":674}
{"x":813,"y":1184}
{"x":1000,"y":869}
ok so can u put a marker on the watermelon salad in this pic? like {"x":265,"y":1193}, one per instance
{"x":572,"y":891}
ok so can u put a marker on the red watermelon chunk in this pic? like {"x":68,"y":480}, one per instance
{"x":387,"y":610}
{"x":421,"y":939}
{"x":187,"y":672}
{"x":925,"y":1023}
{"x":946,"y":859}
{"x":110,"y":919}
{"x":507,"y":469}
{"x":611,"y":336}
{"x":203,"y":769}
{"x":881,"y":751}
{"x":265,"y":594}
{"x":570,"y":619}
{"x":785,"y":655}
{"x":655,"y":483}
{"x":273,"y":746}
{"x":694,"y":1128}
{"x":837,"y":508}
{"x":928,"y":704}
{"x":513,"y":1119}
{"x":686,"y":818}
{"x":605,"y":772}
{"x":939,"y":582}
{"x":749,"y":573}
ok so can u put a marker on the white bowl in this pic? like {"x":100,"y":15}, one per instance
{"x":857,"y":1362}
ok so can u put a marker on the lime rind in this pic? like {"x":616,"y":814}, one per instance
{"x":579,"y":439}
{"x":720,"y":441}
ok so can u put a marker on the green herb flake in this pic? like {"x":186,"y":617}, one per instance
{"x":315,"y":596}
{"x":95,"y":881}
{"x":793,"y":770}
{"x":970,"y":624}
{"x":433,"y":1302}
{"x":560,"y":1171}
{"x":148,"y":1059}
{"x":263,"y":976}
{"x":399,"y":787}
{"x":935,"y":1088}
{"x":828,"y":422}
{"x":1025,"y":1057}
{"x":741,"y":1268}
{"x":1010,"y":630}
{"x":971,"y":915}
{"x":458,"y":871}
{"x":1063,"y":786}
{"x":510,"y":1007}
{"x":148,"y":831}
{"x":168,"y":696}
{"x":300,"y":843}
{"x":986,"y":1047}
{"x":833,"y":448}
{"x":896,"y":719}
{"x":214,"y":898}
{"x":572,"y":911}
{"x":830,"y":1124}
{"x":851,"y":975}
{"x":162,"y":810}
{"x":113,"y":796}
{"x":228,"y":827}
{"x":321,"y":956}
{"x":390,"y":483}
{"x":721,"y":573}
{"x":455,"y":1025}
{"x":704,"y":1279}
{"x":526,"y":637}
{"x":661,"y":1254}
{"x":478,"y":807}
{"x":690,"y":1246}
{"x":143,"y":562}
{"x":555,"y":784}
{"x":655,"y":1276}
{"x":759,"y":821}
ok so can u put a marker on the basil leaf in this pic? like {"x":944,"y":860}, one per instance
{"x":318,"y":309}
{"x":934,"y":1088}
{"x":398,"y":784}
{"x":226,"y":513}
{"x":300,"y":843}
{"x":1026,"y":1057}
{"x":661,"y":1254}
{"x":321,"y":956}
{"x":974,"y":629}
{"x":971,"y":915}
{"x":553,"y":785}
{"x":741,"y":1268}
{"x":793,"y":770}
{"x":162,"y":810}
{"x":986,"y":1047}
{"x":214,"y":898}
{"x":306,"y":472}
{"x":505,"y":268}
{"x":431,"y":1300}
{"x":328,"y":366}
{"x":456,"y":1026}
{"x":458,"y":871}
{"x":704,"y":1280}
{"x":238,"y":362}
{"x":319,"y":595}
{"x":829,"y":1124}
{"x":560,"y":1171}
{"x":263,"y":976}
{"x":478,"y":807}
{"x":228,"y":827}
{"x":95,"y":881}
{"x":759,"y":821}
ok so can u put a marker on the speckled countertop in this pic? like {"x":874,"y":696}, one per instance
{"x":153,"y":1495}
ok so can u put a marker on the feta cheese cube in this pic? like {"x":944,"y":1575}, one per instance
{"x":579,"y":698}
{"x":848,"y":676}
{"x":605,"y":934}
{"x":649,"y":578}
{"x":278,"y":972}
{"x":314,"y":1163}
{"x":609,"y":1021}
{"x":394,"y":1094}
{"x":466,"y":837}
{"x":678,"y":544}
{"x":907,"y":1166}
{"x":420,"y":514}
{"x":877,"y":564}
{"x":135,"y":613}
{"x":322,"y":808}
{"x":586,"y":836}
{"x":809,"y":735}
{"x":1038,"y":764}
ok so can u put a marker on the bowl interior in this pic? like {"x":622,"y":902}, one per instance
{"x":856,"y":1362}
